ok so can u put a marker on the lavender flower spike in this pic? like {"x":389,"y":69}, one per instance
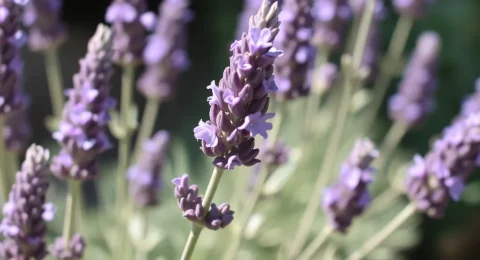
{"x":413,"y":8}
{"x":415,"y":95}
{"x":12,"y":39}
{"x":165,"y":54}
{"x":444,"y":171}
{"x":24,"y":225}
{"x":292,"y":69}
{"x":191,"y":204}
{"x":130,"y":21}
{"x":472,"y":103}
{"x":145,"y":177}
{"x":331,"y":17}
{"x":349,"y":196}
{"x":239,"y":104}
{"x":85,"y":116}
{"x":74,"y":251}
{"x":46,"y":29}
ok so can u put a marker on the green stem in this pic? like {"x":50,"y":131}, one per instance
{"x":73,"y":187}
{"x":315,"y":244}
{"x":334,"y":142}
{"x":141,"y":254}
{"x":3,"y":166}
{"x":147,"y":125}
{"x":391,"y":141}
{"x":394,"y":53}
{"x":207,"y":200}
{"x":384,"y":233}
{"x":313,"y":101}
{"x":54,"y":78}
{"x":128,"y":77}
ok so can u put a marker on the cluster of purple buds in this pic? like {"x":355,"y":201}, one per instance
{"x":250,"y":8}
{"x":191,"y":204}
{"x":414,"y":99}
{"x":165,"y":54}
{"x":130,"y":21}
{"x":274,"y":155}
{"x":145,"y":177}
{"x":292,"y":70}
{"x":324,"y":77}
{"x":85,"y":116}
{"x":413,"y":8}
{"x":12,"y":38}
{"x":472,"y":103}
{"x":26,"y":212}
{"x":444,"y":171}
{"x":46,"y":29}
{"x":239,"y":104}
{"x":349,"y":196}
{"x":331,"y":17}
{"x":74,"y":250}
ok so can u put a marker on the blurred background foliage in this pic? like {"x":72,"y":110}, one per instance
{"x":211,"y":33}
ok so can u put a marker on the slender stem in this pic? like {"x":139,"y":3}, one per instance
{"x":147,"y":125}
{"x":315,"y":244}
{"x":334,"y":142}
{"x":3,"y":166}
{"x":73,"y":187}
{"x":391,"y":141}
{"x":207,"y":200}
{"x":80,"y":208}
{"x":314,"y":99}
{"x":141,"y":254}
{"x":394,"y":53}
{"x":383,"y":234}
{"x":246,"y":213}
{"x":54,"y":78}
{"x":128,"y":77}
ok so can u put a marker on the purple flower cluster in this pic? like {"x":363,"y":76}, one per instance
{"x":74,"y":251}
{"x":349,"y":196}
{"x":26,"y":212}
{"x":145,"y":177}
{"x":250,"y":8}
{"x":191,"y":204}
{"x":331,"y":17}
{"x":472,"y":103}
{"x":239,"y":104}
{"x":444,"y":171}
{"x":130,"y":22}
{"x":46,"y":29}
{"x":292,"y":69}
{"x":415,"y":95}
{"x":82,"y":129}
{"x":371,"y":55}
{"x":274,"y":155}
{"x":165,"y":54}
{"x":413,"y":8}
{"x":12,"y":38}
{"x":324,"y":77}
{"x":17,"y":132}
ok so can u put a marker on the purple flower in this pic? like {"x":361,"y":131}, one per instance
{"x":74,"y":251}
{"x":85,"y":116}
{"x":296,"y":30}
{"x":414,"y":8}
{"x":17,"y":131}
{"x":472,"y":103}
{"x":349,"y":196}
{"x":414,"y":99}
{"x":145,"y":177}
{"x":191,"y":204}
{"x":238,"y":106}
{"x":46,"y":29}
{"x":129,"y":33}
{"x":371,"y":55}
{"x":444,"y":171}
{"x":24,"y":223}
{"x":331,"y":17}
{"x":165,"y":54}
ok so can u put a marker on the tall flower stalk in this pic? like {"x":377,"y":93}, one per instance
{"x":351,"y":71}
{"x":46,"y":34}
{"x":85,"y":115}
{"x":166,"y":58}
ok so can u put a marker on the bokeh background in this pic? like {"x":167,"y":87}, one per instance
{"x":210,"y":34}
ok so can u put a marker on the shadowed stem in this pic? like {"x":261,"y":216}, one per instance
{"x":54,"y":78}
{"x":3,"y":166}
{"x":72,"y":200}
{"x":315,"y":244}
{"x":207,"y":200}
{"x":334,"y":142}
{"x":142,"y":254}
{"x":383,"y":234}
{"x":394,"y":53}
{"x":147,"y":125}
